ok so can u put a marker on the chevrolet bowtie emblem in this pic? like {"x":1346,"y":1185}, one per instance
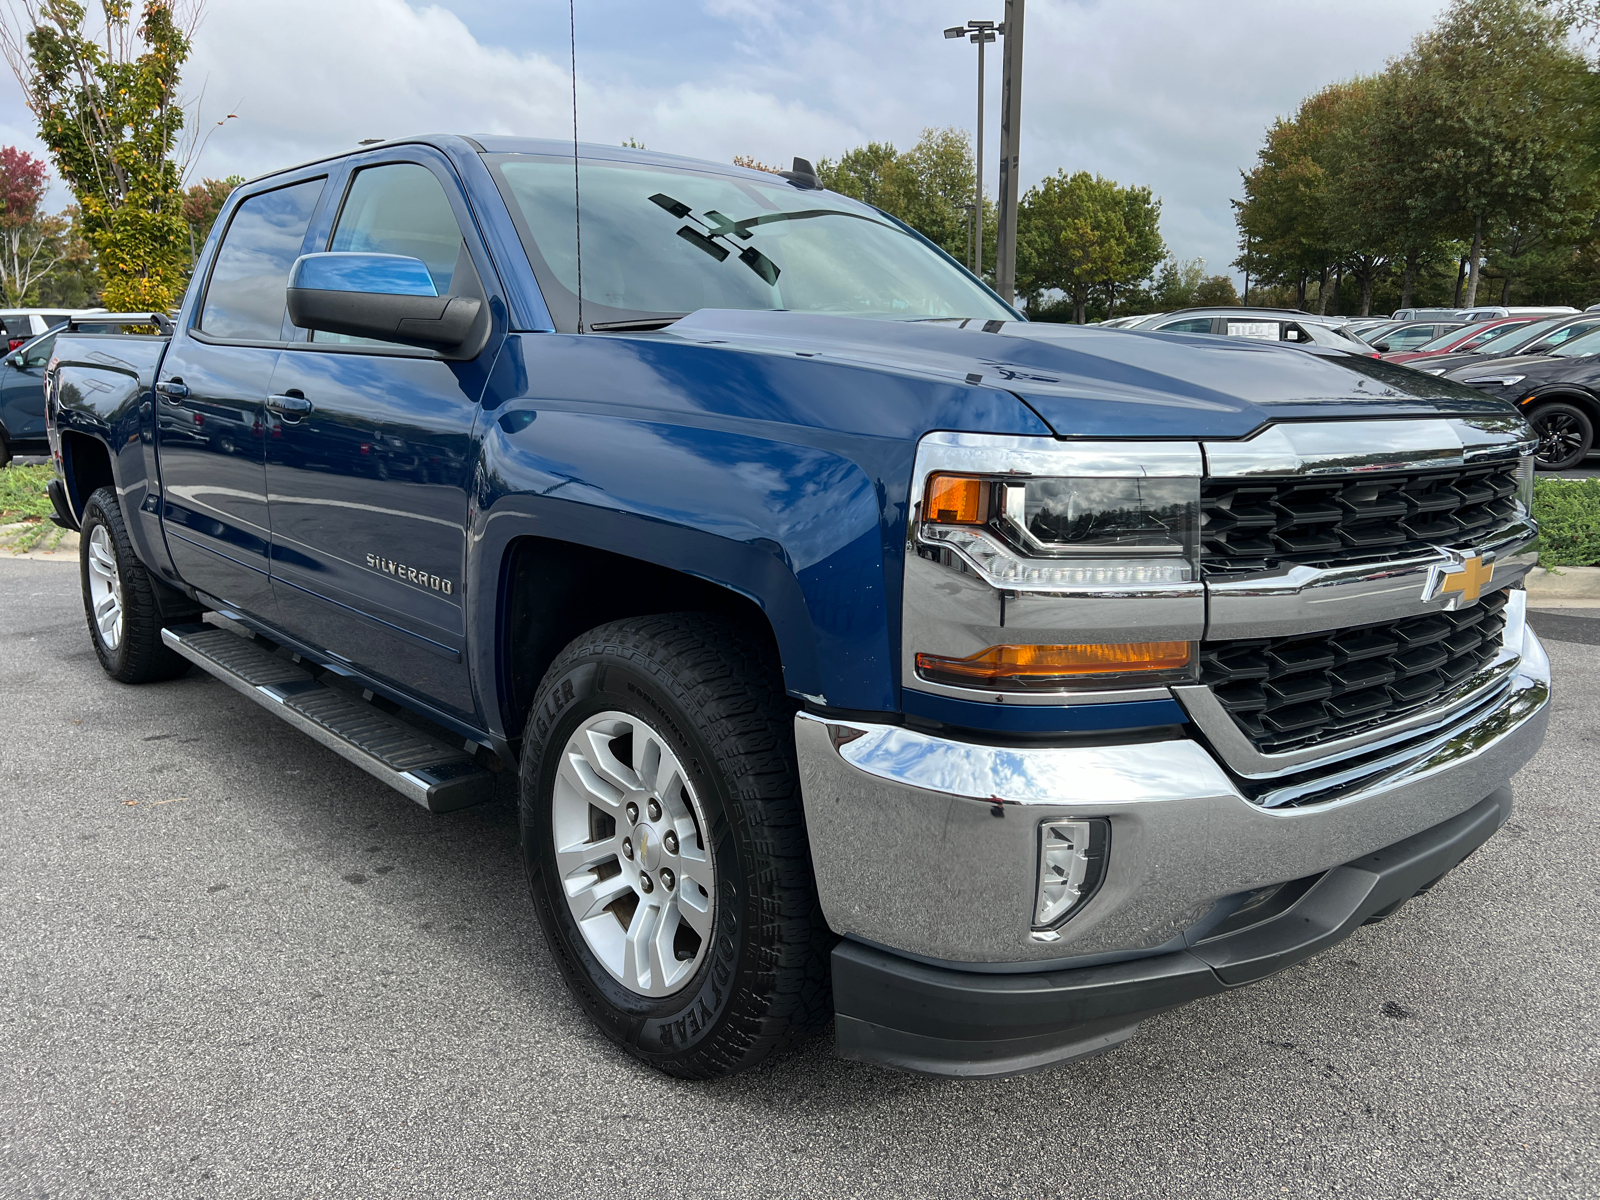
{"x":1465,"y":578}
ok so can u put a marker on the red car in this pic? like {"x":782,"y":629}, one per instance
{"x":1468,"y":337}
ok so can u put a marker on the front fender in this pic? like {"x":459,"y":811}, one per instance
{"x":780,"y":478}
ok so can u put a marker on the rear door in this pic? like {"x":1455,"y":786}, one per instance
{"x":211,"y":393}
{"x":371,"y":459}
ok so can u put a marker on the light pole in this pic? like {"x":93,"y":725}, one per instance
{"x":979,"y":33}
{"x":1005,"y":266}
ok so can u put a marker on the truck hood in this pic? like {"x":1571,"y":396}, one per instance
{"x":1105,"y":383}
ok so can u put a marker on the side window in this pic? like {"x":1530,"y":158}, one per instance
{"x":1565,"y":334}
{"x":1192,"y":325}
{"x":400,"y":208}
{"x":245,"y":298}
{"x":39,"y":352}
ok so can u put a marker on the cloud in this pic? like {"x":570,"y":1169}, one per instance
{"x":1170,"y":94}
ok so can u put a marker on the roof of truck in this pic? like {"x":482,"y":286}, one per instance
{"x":500,"y":144}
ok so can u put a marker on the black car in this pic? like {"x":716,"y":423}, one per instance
{"x":1558,"y":391}
{"x":1537,"y":337}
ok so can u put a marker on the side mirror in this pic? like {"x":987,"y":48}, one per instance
{"x":15,"y":360}
{"x":1382,"y":347}
{"x":390,"y":297}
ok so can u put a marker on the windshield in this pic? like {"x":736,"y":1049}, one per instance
{"x":1515,"y":335}
{"x":1454,"y":341}
{"x":662,"y":242}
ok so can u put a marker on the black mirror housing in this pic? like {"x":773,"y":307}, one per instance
{"x":443,"y":323}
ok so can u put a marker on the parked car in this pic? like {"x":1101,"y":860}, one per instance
{"x":1462,"y":337}
{"x":22,"y":416}
{"x":1557,"y":390}
{"x":1258,"y":324}
{"x":1120,"y":322}
{"x":1534,"y":338}
{"x":1488,"y":312}
{"x":1363,"y":325}
{"x":982,"y":686}
{"x":23,"y":324}
{"x":1410,"y":335}
{"x":1401,"y":315}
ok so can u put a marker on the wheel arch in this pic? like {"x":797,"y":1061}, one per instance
{"x":85,"y":468}
{"x":551,"y":591}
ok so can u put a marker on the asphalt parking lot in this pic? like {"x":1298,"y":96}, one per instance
{"x":232,"y":965}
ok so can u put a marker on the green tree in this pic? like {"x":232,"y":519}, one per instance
{"x":1215,"y":291}
{"x":930,"y":187}
{"x":108,"y":110}
{"x":1083,"y":234}
{"x":1497,"y":88}
{"x":1286,"y":217}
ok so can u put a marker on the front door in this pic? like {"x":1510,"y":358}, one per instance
{"x":371,"y":460}
{"x":210,"y":423}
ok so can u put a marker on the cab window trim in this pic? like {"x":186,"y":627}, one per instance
{"x":193,"y":329}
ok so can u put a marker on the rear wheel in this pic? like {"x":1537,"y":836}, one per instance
{"x":1566,"y":436}
{"x":119,"y":598}
{"x":665,"y":845}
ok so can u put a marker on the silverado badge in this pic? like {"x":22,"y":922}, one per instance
{"x":410,"y":574}
{"x":1463,"y":580}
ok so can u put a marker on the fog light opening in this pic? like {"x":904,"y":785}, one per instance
{"x":1072,"y":859}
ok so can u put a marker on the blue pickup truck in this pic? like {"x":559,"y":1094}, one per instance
{"x":856,"y":650}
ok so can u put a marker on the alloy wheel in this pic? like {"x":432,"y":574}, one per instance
{"x":632,"y":849}
{"x":1561,"y":436}
{"x":105,"y":587}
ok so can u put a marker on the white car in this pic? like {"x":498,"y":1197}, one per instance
{"x":1259,"y":324}
{"x":25,"y":324}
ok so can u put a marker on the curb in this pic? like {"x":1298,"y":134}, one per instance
{"x":65,"y":550}
{"x":1564,"y":583}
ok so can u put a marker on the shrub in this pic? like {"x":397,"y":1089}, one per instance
{"x":1568,"y":512}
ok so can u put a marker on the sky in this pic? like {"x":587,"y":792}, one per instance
{"x":1172,"y":94}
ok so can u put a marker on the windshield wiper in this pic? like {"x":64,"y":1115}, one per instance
{"x":636,"y":324}
{"x":719,"y":226}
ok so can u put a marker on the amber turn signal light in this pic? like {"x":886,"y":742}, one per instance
{"x":956,"y":500}
{"x":1037,"y":666}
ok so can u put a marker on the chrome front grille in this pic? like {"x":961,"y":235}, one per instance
{"x":1263,"y":523}
{"x":1291,"y":693}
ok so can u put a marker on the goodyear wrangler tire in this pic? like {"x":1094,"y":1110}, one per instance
{"x":665,"y":844}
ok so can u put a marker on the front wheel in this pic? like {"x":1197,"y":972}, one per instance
{"x":1566,"y":435}
{"x":119,"y":598}
{"x":665,"y":844}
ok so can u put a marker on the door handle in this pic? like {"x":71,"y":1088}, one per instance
{"x":173,"y":390}
{"x":289,"y":405}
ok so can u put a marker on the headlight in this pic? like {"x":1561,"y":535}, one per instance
{"x":1050,"y":568}
{"x":1434,"y":370}
{"x":1069,"y":533}
{"x":1496,"y":380}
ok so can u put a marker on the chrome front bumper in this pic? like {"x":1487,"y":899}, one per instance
{"x":928,"y":846}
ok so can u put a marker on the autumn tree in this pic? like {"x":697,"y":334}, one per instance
{"x":202,"y":202}
{"x":106,"y":98}
{"x":31,"y":243}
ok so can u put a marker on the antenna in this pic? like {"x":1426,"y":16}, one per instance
{"x":577,"y":208}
